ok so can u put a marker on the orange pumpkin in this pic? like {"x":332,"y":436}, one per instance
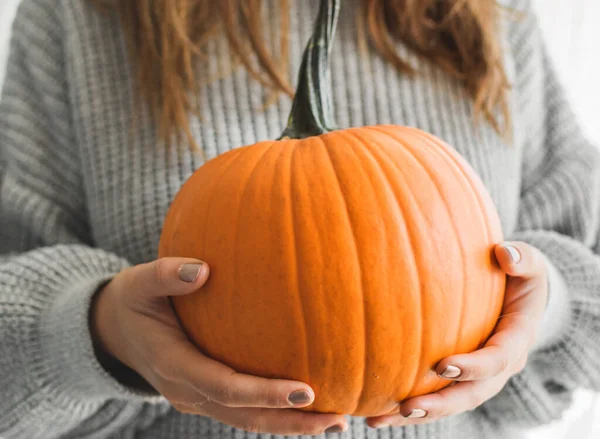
{"x":353,"y":260}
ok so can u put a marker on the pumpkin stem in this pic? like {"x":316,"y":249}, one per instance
{"x":312,"y":108}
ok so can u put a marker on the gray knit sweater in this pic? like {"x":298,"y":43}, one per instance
{"x":82,"y":197}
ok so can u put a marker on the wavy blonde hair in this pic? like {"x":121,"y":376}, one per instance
{"x":166,"y":37}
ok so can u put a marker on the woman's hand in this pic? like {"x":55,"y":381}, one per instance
{"x":480,"y":375}
{"x":133,"y":322}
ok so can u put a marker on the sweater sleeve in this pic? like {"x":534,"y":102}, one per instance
{"x":559,"y":214}
{"x":52,"y":384}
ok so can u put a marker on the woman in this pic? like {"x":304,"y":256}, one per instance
{"x":89,"y":347}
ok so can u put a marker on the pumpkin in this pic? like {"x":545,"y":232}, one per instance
{"x":353,"y":260}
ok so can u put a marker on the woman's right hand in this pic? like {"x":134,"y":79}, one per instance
{"x":133,"y":322}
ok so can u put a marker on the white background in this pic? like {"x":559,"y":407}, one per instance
{"x":573,"y":34}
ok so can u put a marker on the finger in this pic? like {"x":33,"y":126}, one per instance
{"x":446,"y":402}
{"x":502,"y":351}
{"x":168,"y":277}
{"x":273,"y":421}
{"x":519,"y":259}
{"x":195,"y":376}
{"x":452,"y":400}
{"x":485,"y":363}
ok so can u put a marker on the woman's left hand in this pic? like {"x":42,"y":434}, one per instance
{"x":480,"y":375}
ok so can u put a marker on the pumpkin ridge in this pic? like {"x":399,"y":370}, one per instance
{"x":473,"y":189}
{"x":452,"y":222}
{"x":460,"y":170}
{"x":236,"y":157}
{"x":294,"y":239}
{"x":357,"y":256}
{"x":407,"y":228}
{"x":410,"y":235}
{"x":246,"y":187}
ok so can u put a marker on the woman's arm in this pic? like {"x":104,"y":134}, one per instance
{"x":52,"y":384}
{"x":559,"y":215}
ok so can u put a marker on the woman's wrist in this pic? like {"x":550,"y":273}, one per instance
{"x":557,"y":309}
{"x":124,"y":374}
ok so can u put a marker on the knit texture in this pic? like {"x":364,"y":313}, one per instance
{"x":83,"y":196}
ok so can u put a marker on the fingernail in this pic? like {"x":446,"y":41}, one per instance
{"x":515,"y":255}
{"x":335,"y":429}
{"x":451,"y":372}
{"x":299,"y":397}
{"x":382,"y":426}
{"x":417,"y":413}
{"x":189,"y":272}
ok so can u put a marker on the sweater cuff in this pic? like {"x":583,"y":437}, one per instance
{"x":72,"y":363}
{"x":557,"y":310}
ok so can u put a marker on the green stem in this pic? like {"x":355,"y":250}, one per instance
{"x":312,"y":108}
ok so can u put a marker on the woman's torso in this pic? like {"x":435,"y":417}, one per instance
{"x":130,"y":177}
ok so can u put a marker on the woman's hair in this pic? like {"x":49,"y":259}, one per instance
{"x":167,"y":37}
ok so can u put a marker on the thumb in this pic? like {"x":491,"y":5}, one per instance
{"x":518,"y":259}
{"x":169,"y":276}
